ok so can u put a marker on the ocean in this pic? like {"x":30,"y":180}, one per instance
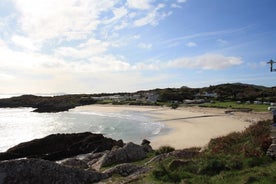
{"x":21,"y":124}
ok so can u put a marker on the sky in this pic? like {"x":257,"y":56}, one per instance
{"x":92,"y":46}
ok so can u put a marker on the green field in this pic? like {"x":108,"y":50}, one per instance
{"x":235,"y":105}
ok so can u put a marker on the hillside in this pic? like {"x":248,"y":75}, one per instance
{"x":167,"y":96}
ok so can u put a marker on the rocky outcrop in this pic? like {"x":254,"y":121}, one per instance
{"x":60,"y":146}
{"x":80,"y":168}
{"x":124,"y":170}
{"x":178,"y":154}
{"x":34,"y":171}
{"x":128,"y":153}
{"x":271,"y":151}
{"x":48,"y":104}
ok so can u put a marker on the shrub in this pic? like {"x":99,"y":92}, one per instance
{"x":165,"y":175}
{"x":211,"y":166}
{"x":164,"y":149}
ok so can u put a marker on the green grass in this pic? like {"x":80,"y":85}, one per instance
{"x":238,"y":158}
{"x":235,"y":158}
{"x":234,"y":105}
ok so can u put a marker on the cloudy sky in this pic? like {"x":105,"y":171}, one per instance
{"x":91,"y":46}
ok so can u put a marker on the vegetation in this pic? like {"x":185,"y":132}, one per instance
{"x":164,"y":149}
{"x":235,"y":105}
{"x":238,"y":158}
{"x":225,"y":96}
{"x":235,"y":158}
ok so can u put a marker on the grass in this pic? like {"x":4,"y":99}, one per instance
{"x":164,"y":149}
{"x":234,"y":105}
{"x":235,"y":158}
{"x":238,"y":158}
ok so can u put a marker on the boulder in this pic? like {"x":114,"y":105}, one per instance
{"x":125,"y":169}
{"x":34,"y":171}
{"x":74,"y":163}
{"x":272,"y":151}
{"x":59,"y":146}
{"x":146,"y":146}
{"x":129,"y":153}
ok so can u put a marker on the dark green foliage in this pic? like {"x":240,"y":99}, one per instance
{"x":211,"y":166}
{"x":163,"y":174}
{"x":164,"y":149}
{"x":174,"y":105}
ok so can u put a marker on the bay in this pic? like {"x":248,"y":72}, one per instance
{"x":21,"y":124}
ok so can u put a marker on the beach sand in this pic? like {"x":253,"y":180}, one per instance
{"x":189,"y":126}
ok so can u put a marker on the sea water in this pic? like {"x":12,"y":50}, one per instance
{"x":21,"y":124}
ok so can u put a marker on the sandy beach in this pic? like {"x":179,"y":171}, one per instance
{"x":189,"y":126}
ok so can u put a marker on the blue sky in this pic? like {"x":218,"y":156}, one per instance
{"x":91,"y":46}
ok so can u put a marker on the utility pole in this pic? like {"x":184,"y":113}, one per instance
{"x":271,"y":62}
{"x":272,"y":108}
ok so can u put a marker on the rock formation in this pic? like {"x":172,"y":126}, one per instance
{"x":34,"y":171}
{"x":129,"y":153}
{"x":60,"y":146}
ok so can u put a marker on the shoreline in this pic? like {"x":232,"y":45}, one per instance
{"x":189,"y":126}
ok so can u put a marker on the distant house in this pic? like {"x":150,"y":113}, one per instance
{"x":151,"y":97}
{"x":206,"y":94}
{"x":197,"y":101}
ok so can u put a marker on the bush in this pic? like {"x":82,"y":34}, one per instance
{"x":165,"y":175}
{"x":164,"y":149}
{"x":211,"y":166}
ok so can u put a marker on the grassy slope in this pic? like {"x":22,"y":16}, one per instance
{"x":235,"y":158}
{"x":238,"y":158}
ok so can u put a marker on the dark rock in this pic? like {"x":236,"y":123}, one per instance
{"x":47,"y":104}
{"x":92,"y":156}
{"x":272,"y":151}
{"x":146,"y":145}
{"x":60,"y":146}
{"x":185,"y":153}
{"x":128,"y":153}
{"x":34,"y":171}
{"x":53,"y":107}
{"x":74,"y":163}
{"x":145,"y":142}
{"x":181,"y":154}
{"x":125,"y":169}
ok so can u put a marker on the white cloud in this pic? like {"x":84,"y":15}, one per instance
{"x":24,"y":42}
{"x":222,"y":41}
{"x":153,"y":17}
{"x":91,"y":47}
{"x":175,"y":6}
{"x":118,"y":13}
{"x":140,"y":4}
{"x":43,"y":20}
{"x":191,"y":44}
{"x":181,"y":1}
{"x":206,"y":62}
{"x":145,"y":46}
